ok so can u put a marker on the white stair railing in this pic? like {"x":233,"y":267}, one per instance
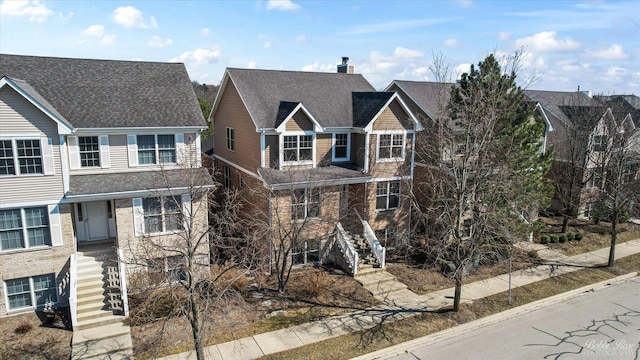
{"x":349,"y":251}
{"x":123,"y":283}
{"x":73,"y":291}
{"x":377,"y":249}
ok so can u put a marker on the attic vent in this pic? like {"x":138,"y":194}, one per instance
{"x":345,"y":68}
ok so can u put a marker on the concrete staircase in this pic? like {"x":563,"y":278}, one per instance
{"x":99,"y":332}
{"x":367,"y":262}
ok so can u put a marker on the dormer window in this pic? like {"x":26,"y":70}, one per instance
{"x":298,"y":148}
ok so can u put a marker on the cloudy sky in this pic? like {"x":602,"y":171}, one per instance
{"x":592,"y":44}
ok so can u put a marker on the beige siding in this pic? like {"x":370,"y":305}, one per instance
{"x":119,"y":160}
{"x":299,"y":122}
{"x":20,"y":117}
{"x":393,"y":118}
{"x":24,"y":263}
{"x":231,"y":112}
{"x":324,"y":149}
{"x":393,"y":168}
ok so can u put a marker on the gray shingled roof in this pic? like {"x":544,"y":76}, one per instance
{"x":366,"y":105}
{"x":113,"y":183}
{"x":330,"y":175}
{"x":432,"y":97}
{"x":327,"y":96}
{"x":107,"y":93}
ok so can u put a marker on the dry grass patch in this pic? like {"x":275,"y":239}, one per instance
{"x":24,"y":337}
{"x":388,"y":334}
{"x":310,"y":295}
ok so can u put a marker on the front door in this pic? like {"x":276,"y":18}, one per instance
{"x":91,"y":220}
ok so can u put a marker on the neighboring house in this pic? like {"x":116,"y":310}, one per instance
{"x":91,"y":151}
{"x":319,"y":147}
{"x":582,"y":133}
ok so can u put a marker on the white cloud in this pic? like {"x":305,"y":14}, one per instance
{"x":462,"y":68}
{"x":198,"y":57}
{"x":33,"y":9}
{"x":252,"y":65}
{"x":404,"y":53}
{"x":129,"y":17}
{"x":465,"y":3}
{"x":395,"y":25}
{"x":205,"y":31}
{"x":547,"y":41}
{"x":317,"y":67}
{"x":158,"y":42}
{"x":267,"y":45}
{"x":107,"y":40}
{"x":283,"y":5}
{"x":504,"y":35}
{"x":616,"y":71}
{"x":301,"y":38}
{"x":94,"y":30}
{"x":452,"y":42}
{"x":614,"y":52}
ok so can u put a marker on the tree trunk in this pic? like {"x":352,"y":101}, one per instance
{"x":458,"y":292}
{"x":196,"y":331}
{"x":565,"y":223}
{"x":614,"y":239}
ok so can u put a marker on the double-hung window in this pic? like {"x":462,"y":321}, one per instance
{"x":231,"y":136}
{"x":306,"y":253}
{"x":298,"y":148}
{"x":388,"y":195}
{"x":599,"y":142}
{"x":156,"y":149}
{"x":161,"y":214}
{"x":305,"y":203}
{"x":390,"y":146}
{"x":227,"y":177}
{"x":21,"y":157}
{"x":29,"y":291}
{"x":89,"y":149}
{"x":595,"y":177}
{"x":24,"y":228}
{"x":341,"y":146}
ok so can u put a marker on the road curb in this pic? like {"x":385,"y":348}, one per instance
{"x":489,"y":320}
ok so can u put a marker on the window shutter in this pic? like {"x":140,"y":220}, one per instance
{"x":105,"y":158}
{"x":180,"y":149}
{"x":132,"y":150}
{"x":74,"y":154}
{"x":186,"y":209}
{"x":54,"y":225}
{"x":138,"y":217}
{"x":47,"y":155}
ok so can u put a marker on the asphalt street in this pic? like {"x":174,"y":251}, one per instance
{"x":600,"y":325}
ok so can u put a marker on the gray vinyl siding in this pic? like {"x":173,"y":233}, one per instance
{"x":20,"y":117}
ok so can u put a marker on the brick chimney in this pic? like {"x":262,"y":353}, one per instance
{"x":345,"y":68}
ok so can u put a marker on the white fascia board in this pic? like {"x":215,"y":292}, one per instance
{"x":316,"y":125}
{"x":216,"y":103}
{"x":64,"y":128}
{"x":129,"y":194}
{"x":544,"y":116}
{"x":395,"y":96}
{"x":426,"y":111}
{"x":138,"y":130}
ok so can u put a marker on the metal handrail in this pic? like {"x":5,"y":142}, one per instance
{"x":347,"y":248}
{"x":377,"y":249}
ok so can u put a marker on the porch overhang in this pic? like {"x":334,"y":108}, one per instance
{"x":275,"y":179}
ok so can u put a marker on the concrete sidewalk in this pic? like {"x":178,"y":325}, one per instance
{"x":398,"y":305}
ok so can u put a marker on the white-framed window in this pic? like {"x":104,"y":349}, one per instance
{"x":24,"y":228}
{"x":341,"y":144}
{"x":388,"y":195}
{"x":599,"y":142}
{"x":307,"y":253}
{"x":588,"y":210}
{"x":298,"y":148}
{"x":227,"y":177}
{"x":31,"y":291}
{"x":231,"y":138}
{"x":390,"y":147}
{"x":305,"y":203}
{"x":25,"y":156}
{"x":89,"y":150}
{"x":595,"y":177}
{"x":156,"y":149}
{"x":161,"y":214}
